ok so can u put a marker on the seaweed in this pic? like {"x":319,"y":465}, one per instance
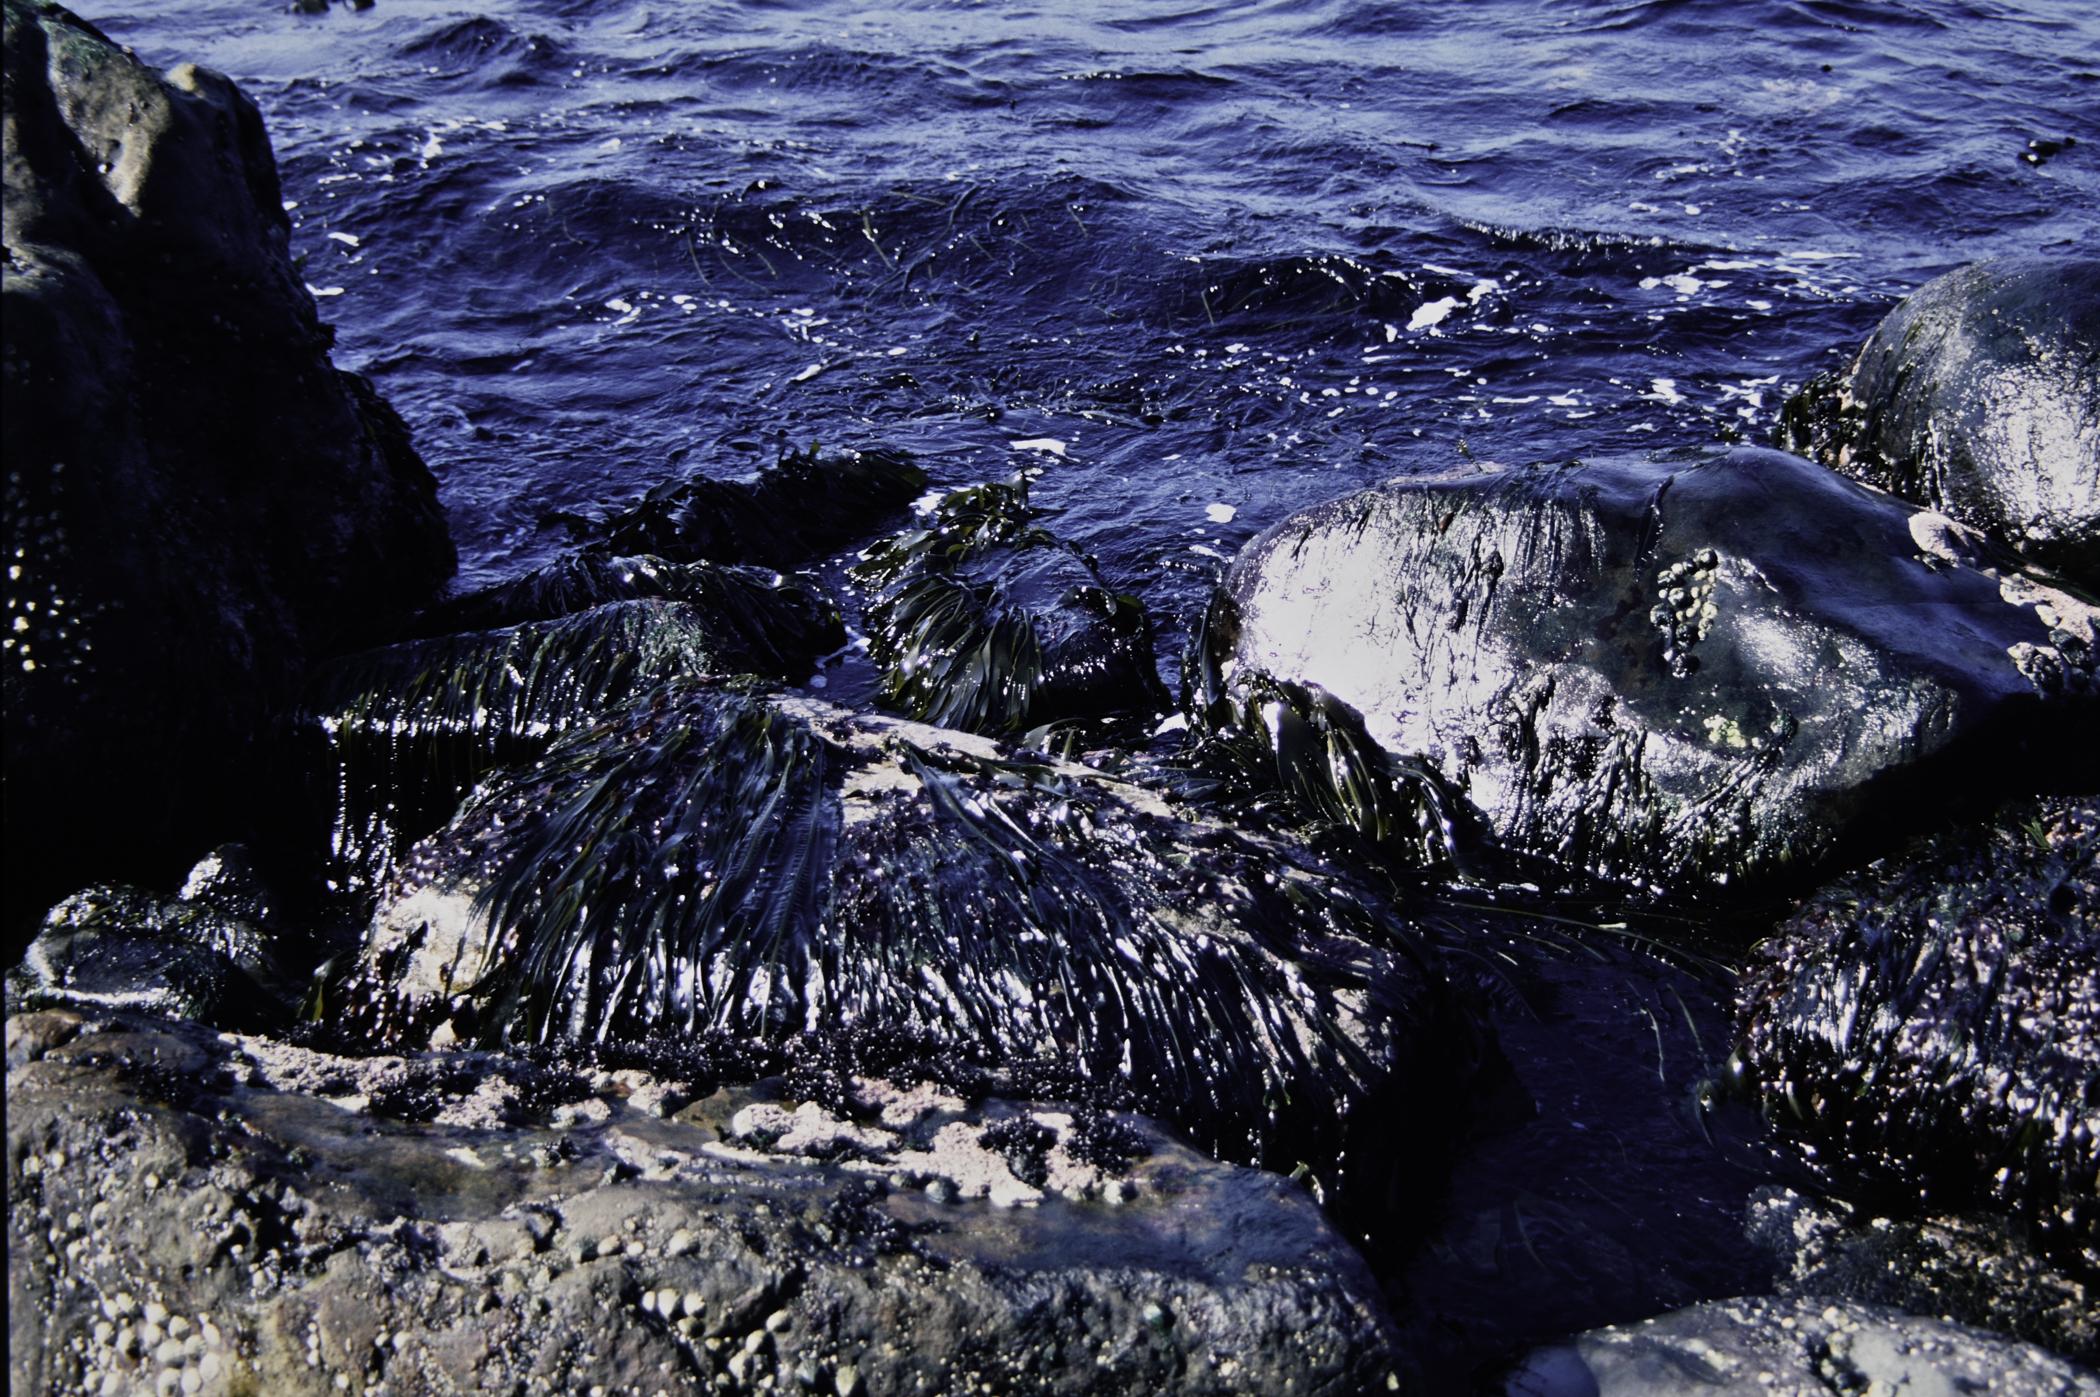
{"x":762,"y":621}
{"x":804,"y":506}
{"x":406,"y":731}
{"x":1294,"y":753}
{"x":1925,"y":1035}
{"x":687,"y":868}
{"x":987,"y":622}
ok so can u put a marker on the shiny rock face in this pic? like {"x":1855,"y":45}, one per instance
{"x":1979,"y":395}
{"x":1926,"y":1033}
{"x":1697,"y":669}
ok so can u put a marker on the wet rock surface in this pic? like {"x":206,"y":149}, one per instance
{"x":1795,"y":1348}
{"x":1979,"y":396}
{"x":198,"y":502}
{"x":716,"y":860}
{"x":1979,"y":1271}
{"x":1697,"y":669}
{"x":389,"y":740}
{"x":1925,"y":1034}
{"x":985,"y":621}
{"x":219,"y":1214}
{"x":210,"y":953}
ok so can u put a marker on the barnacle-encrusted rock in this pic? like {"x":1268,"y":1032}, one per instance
{"x":1697,"y":668}
{"x":197,"y":501}
{"x":716,"y":860}
{"x":1978,"y":396}
{"x":1926,"y":1033}
{"x":212,"y":1214}
{"x":987,"y":622}
{"x":1974,"y":1270}
{"x":1757,"y":1345}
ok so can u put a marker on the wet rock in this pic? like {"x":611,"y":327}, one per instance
{"x":184,"y":1203}
{"x":198,"y":503}
{"x":1926,"y":1033}
{"x":711,"y":860}
{"x":986,"y":622}
{"x":1695,"y":669}
{"x":763,"y":621}
{"x":206,"y":954}
{"x":1794,"y":1348}
{"x":806,"y":505}
{"x":393,"y":738}
{"x":1977,"y":1271}
{"x":1978,"y":396}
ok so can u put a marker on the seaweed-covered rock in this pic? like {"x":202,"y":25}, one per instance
{"x":715,"y":861}
{"x":986,"y":622}
{"x":205,"y":954}
{"x":1979,"y":396}
{"x":197,"y":501}
{"x":396,"y":736}
{"x":247,"y":1217}
{"x":1755,"y":1345}
{"x":1697,"y":668}
{"x":763,"y":621}
{"x":1926,"y":1033}
{"x":1977,"y":1270}
{"x":804,"y":506}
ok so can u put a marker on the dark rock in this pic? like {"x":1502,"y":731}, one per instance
{"x":1978,"y":396}
{"x":197,"y":502}
{"x":762,"y":621}
{"x":715,"y":861}
{"x":986,"y":622}
{"x":1977,"y":1271}
{"x":804,"y":506}
{"x":1694,"y":669}
{"x":1761,"y":1347}
{"x":391,"y":739}
{"x":206,"y":954}
{"x":1926,"y":1033}
{"x":250,"y":1196}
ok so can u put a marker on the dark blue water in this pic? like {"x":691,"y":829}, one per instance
{"x":1247,"y":256}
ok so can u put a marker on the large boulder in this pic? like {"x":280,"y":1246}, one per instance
{"x":714,"y":860}
{"x":1695,"y":669}
{"x":197,"y":501}
{"x":1979,"y":396}
{"x":196,"y":1212}
{"x":1925,"y":1034}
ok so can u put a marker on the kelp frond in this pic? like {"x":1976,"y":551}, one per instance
{"x":953,"y":656}
{"x":407,"y":730}
{"x":964,"y":525}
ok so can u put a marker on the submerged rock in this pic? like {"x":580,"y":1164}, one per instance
{"x":1978,"y":396}
{"x":206,"y":954}
{"x":986,"y":622}
{"x":804,"y":506}
{"x":395,"y":737}
{"x":1760,"y":1347}
{"x":710,"y":860}
{"x":1977,"y":1271}
{"x":197,"y":501}
{"x":1926,"y":1033}
{"x":243,"y":1215}
{"x":1694,"y":669}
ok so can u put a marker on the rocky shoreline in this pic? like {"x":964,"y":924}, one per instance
{"x":593,"y":1011}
